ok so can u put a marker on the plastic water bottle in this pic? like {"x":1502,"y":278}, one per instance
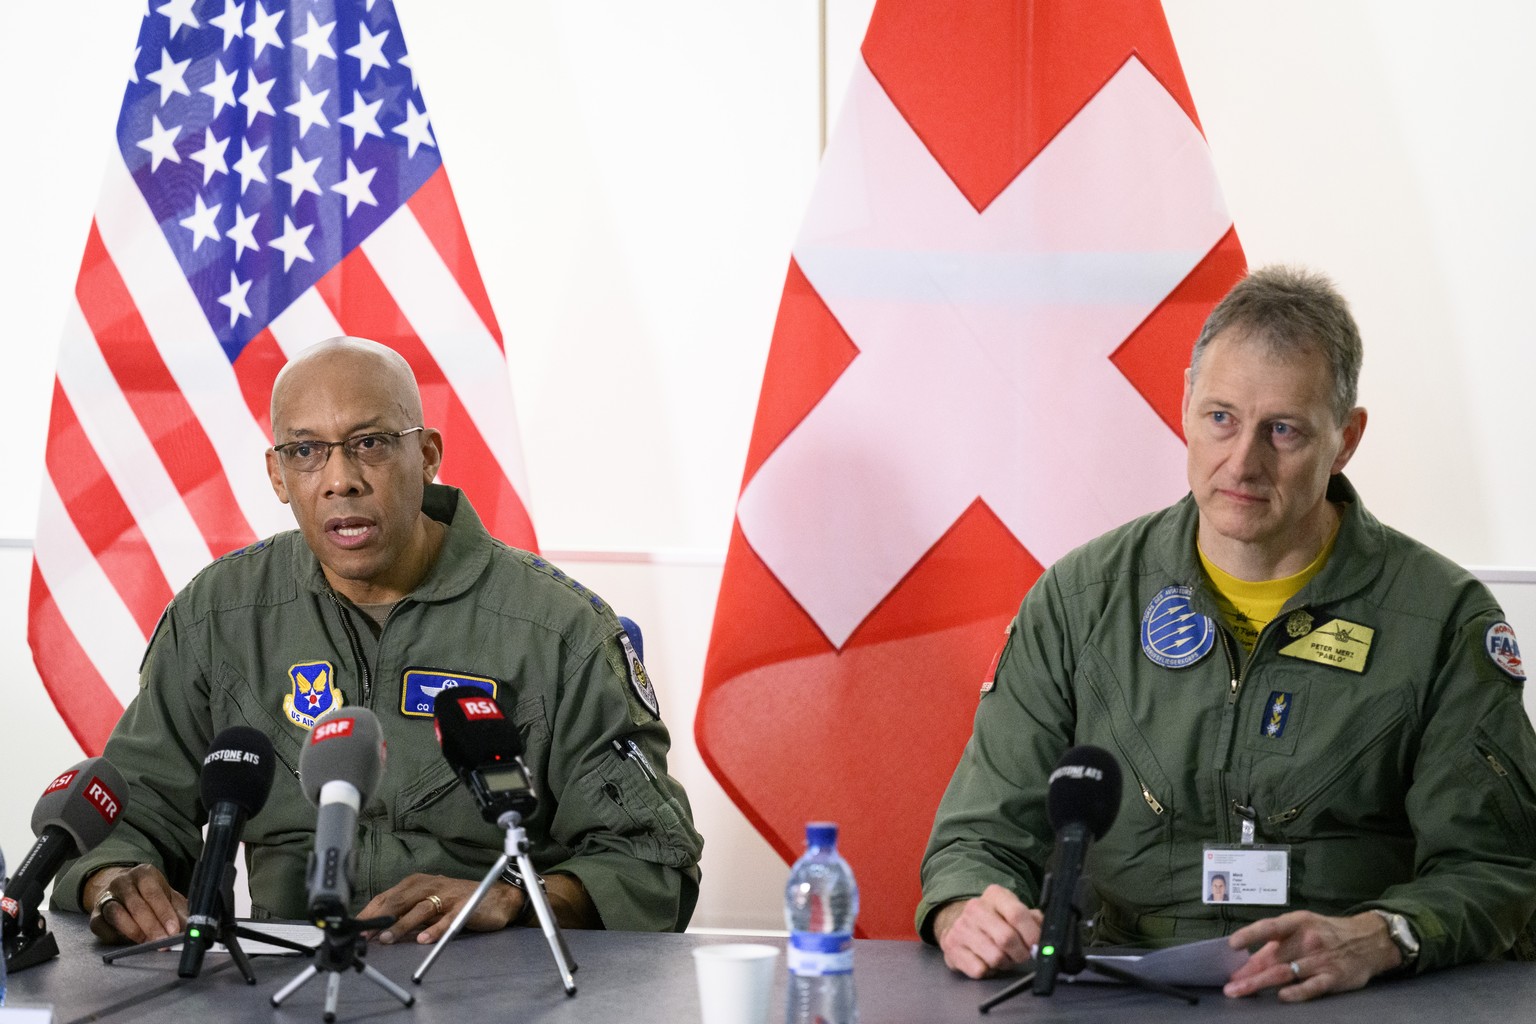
{"x":821,"y":903}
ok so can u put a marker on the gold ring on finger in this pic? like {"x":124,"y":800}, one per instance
{"x":437,"y":904}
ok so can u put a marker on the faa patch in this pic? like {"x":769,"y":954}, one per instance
{"x":313,"y":694}
{"x":639,"y":681}
{"x":1503,"y":651}
{"x":1173,"y":634}
{"x":419,"y":688}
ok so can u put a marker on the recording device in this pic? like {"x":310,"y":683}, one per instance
{"x":237,"y":776}
{"x":74,"y":814}
{"x":484,"y":750}
{"x":1081,"y":804}
{"x":339,"y":769}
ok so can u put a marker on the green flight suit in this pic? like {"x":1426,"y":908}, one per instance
{"x":222,"y":655}
{"x":1406,"y":786}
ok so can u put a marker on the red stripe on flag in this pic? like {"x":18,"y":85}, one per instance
{"x":86,"y":703}
{"x":438,"y":213}
{"x":364,"y":306}
{"x":157,"y":401}
{"x":255,"y":370}
{"x":102,"y":518}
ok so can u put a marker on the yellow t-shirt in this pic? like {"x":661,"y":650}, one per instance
{"x":1248,"y":606}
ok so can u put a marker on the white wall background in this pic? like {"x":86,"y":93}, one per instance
{"x":632,"y":177}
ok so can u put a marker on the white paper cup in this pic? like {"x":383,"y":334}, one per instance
{"x":735,"y":982}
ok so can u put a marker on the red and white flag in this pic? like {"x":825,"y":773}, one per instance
{"x":275,"y":182}
{"x":1013,"y":240}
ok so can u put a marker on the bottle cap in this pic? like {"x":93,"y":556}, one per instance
{"x":821,"y":833}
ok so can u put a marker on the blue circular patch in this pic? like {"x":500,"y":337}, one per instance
{"x":1173,"y":634}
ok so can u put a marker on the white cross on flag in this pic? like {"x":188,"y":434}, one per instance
{"x":1013,"y":240}
{"x":275,"y":182}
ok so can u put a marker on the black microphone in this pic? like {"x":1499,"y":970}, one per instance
{"x":339,"y":769}
{"x":485,"y":751}
{"x":237,"y":776}
{"x":74,"y":814}
{"x":1082,"y":802}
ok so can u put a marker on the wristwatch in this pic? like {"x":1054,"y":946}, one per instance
{"x":1401,"y":934}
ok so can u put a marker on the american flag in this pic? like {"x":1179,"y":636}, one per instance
{"x":276,"y":181}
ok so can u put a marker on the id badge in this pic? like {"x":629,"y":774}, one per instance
{"x":1252,"y":874}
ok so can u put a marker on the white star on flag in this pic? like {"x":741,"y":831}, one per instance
{"x":316,"y":42}
{"x":300,"y":175}
{"x":356,"y":186}
{"x":369,"y":51}
{"x":171,"y":77}
{"x":161,"y":144}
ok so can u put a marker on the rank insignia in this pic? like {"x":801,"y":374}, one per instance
{"x":1298,"y":623}
{"x":314,"y":693}
{"x":1277,"y":713}
{"x":1503,"y":651}
{"x":638,"y":680}
{"x":419,"y":688}
{"x":1338,"y":643}
{"x":1173,"y":634}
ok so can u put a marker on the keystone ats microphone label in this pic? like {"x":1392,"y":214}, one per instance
{"x":815,"y":954}
{"x":232,"y":756}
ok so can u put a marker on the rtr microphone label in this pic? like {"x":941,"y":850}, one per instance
{"x":478,"y":708}
{"x":331,"y":730}
{"x":60,"y":782}
{"x":103,"y":799}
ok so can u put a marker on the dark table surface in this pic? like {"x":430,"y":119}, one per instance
{"x":632,"y":977}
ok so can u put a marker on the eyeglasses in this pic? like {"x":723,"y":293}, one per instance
{"x":365,"y":449}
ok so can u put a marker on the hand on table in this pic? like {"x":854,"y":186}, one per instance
{"x":984,"y":935}
{"x":418,"y":915}
{"x":1307,"y":955}
{"x":131,"y":905}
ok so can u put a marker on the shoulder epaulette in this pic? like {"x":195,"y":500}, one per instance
{"x":249,"y":549}
{"x":553,"y":571}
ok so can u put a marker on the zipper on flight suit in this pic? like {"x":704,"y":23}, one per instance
{"x":357,"y":647}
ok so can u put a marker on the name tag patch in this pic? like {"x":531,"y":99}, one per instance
{"x":420,"y":686}
{"x":1255,"y":875}
{"x":1337,"y":643}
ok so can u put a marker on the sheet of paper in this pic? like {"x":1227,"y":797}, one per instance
{"x":1205,"y":964}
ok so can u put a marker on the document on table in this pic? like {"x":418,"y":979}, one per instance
{"x":1205,"y":964}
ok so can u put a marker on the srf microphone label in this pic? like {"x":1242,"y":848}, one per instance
{"x":331,"y":730}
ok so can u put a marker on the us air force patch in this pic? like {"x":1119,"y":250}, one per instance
{"x":1173,"y":634}
{"x":314,"y":693}
{"x":638,"y":680}
{"x":420,"y":686}
{"x":1503,"y":651}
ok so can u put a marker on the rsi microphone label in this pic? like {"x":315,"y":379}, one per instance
{"x":331,"y":730}
{"x":11,"y":908}
{"x":478,"y":708}
{"x":103,"y":799}
{"x":60,"y":782}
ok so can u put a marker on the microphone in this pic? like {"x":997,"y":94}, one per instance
{"x":483,"y":748}
{"x":237,"y":776}
{"x":74,"y":814}
{"x":1082,"y":801}
{"x":339,"y":769}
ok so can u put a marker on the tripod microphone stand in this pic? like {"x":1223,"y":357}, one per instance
{"x":341,"y":949}
{"x":514,"y":846}
{"x":198,"y":939}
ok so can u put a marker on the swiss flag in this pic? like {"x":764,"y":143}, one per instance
{"x":1014,"y":238}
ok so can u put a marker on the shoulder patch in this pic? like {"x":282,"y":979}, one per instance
{"x":554,"y":572}
{"x":1503,"y":650}
{"x":639,"y":681}
{"x":1173,"y":634}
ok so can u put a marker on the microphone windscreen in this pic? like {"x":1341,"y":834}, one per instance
{"x":238,"y":768}
{"x":1085,"y":788}
{"x":84,"y":801}
{"x":473,"y":730}
{"x":346,"y":746}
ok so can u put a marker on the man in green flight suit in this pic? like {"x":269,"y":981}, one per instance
{"x":1307,"y":705}
{"x":390,"y":591}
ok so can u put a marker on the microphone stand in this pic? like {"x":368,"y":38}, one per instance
{"x":228,"y":933}
{"x":1073,"y":962}
{"x":343,"y":948}
{"x":515,"y":845}
{"x":30,"y":943}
